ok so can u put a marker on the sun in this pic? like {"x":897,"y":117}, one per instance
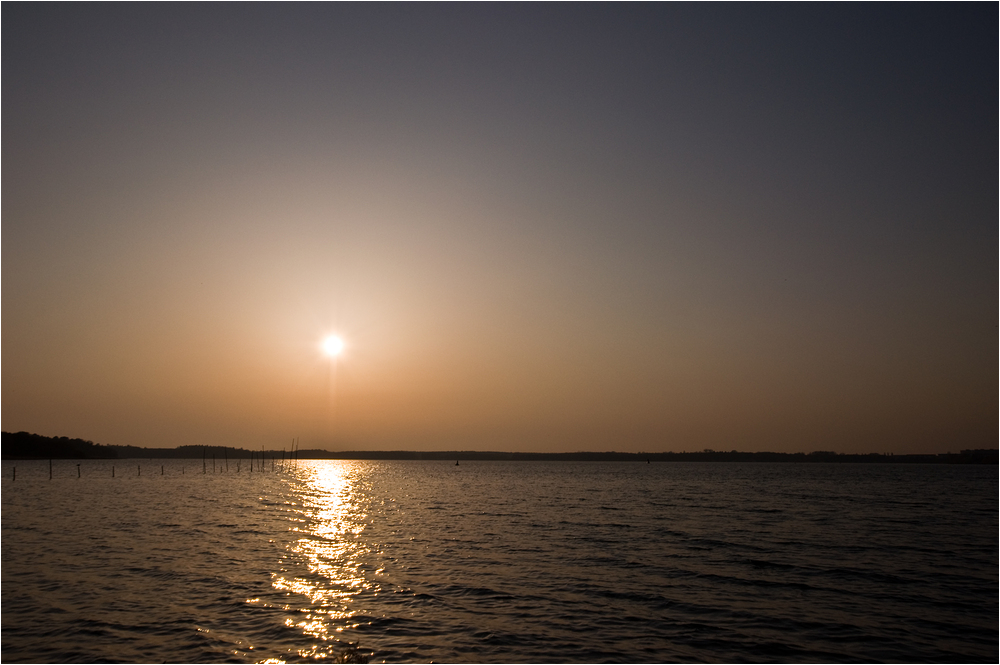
{"x":333,"y":346}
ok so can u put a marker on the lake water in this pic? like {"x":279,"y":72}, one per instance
{"x":498,"y":562}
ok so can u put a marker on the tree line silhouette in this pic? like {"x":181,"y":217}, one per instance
{"x":23,"y":445}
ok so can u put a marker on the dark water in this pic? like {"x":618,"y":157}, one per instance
{"x":499,"y":562}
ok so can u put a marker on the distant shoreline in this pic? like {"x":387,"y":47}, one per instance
{"x":23,"y":445}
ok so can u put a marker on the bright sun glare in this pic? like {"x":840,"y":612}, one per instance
{"x":333,"y":345}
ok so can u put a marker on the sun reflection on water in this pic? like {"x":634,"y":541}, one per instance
{"x":330,"y":547}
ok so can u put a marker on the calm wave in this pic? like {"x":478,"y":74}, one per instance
{"x":498,"y":562}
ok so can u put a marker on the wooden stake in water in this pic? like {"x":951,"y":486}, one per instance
{"x":50,"y":469}
{"x":77,"y":470}
{"x":203,"y":469}
{"x":112,"y":470}
{"x":15,"y":473}
{"x":139,"y":468}
{"x":225,"y":456}
{"x":161,"y":469}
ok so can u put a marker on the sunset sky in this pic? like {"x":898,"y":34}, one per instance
{"x":535,"y":227}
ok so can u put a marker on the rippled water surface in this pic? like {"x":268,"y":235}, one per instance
{"x":498,"y":562}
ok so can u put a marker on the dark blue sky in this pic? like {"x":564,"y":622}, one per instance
{"x":538,"y":227}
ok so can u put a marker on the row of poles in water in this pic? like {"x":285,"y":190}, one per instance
{"x":292,"y":459}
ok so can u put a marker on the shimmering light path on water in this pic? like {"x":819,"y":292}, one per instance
{"x":499,"y":562}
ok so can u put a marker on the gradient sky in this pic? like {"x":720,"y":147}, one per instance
{"x":537,"y":228}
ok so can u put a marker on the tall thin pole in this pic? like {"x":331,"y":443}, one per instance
{"x":50,"y":469}
{"x":226,"y":456}
{"x":204,"y":468}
